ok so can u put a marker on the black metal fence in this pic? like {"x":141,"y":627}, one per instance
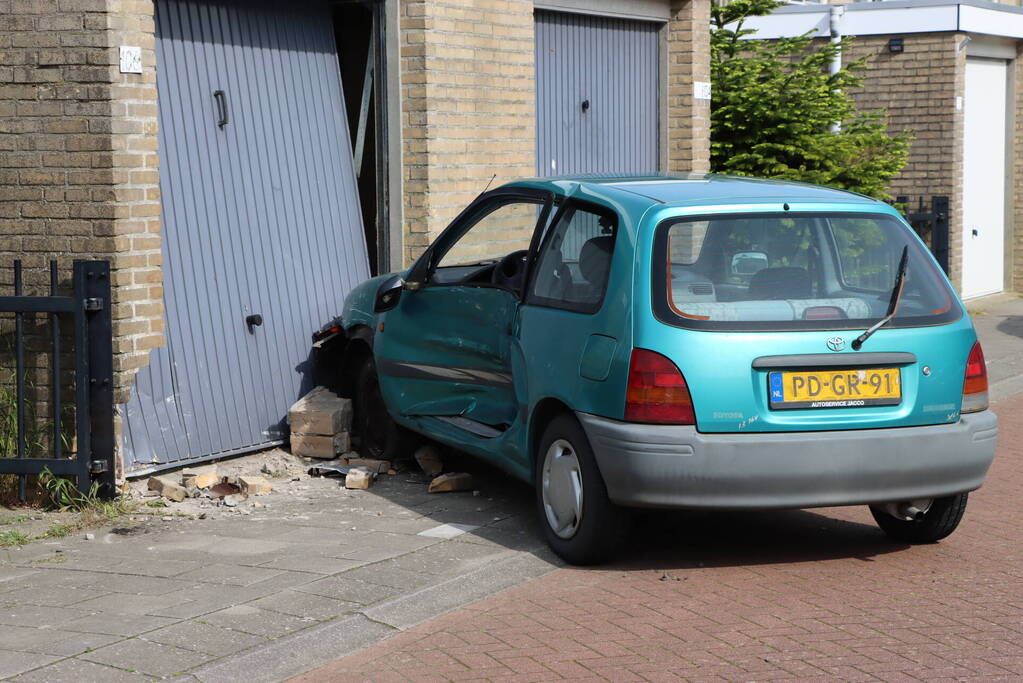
{"x":85,"y":453}
{"x":931,"y":222}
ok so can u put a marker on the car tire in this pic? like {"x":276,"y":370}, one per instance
{"x":378,"y":436}
{"x":579,"y":521}
{"x":940,"y":520}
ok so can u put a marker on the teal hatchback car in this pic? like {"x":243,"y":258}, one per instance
{"x":681,"y":342}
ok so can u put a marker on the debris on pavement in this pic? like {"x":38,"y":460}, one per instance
{"x":199,"y":477}
{"x":371,"y":464}
{"x":224,"y":489}
{"x":320,"y":422}
{"x":429,"y":460}
{"x":320,"y":412}
{"x":168,"y":488}
{"x":234,"y":499}
{"x":328,"y":469}
{"x":359,"y":478}
{"x":453,"y":481}
{"x":255,"y":486}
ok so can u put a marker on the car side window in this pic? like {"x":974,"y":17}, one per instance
{"x":500,"y":227}
{"x":574,"y":265}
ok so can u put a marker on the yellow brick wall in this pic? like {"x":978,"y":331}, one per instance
{"x":78,"y":164}
{"x":918,"y":88}
{"x":468,"y":89}
{"x":688,"y":62}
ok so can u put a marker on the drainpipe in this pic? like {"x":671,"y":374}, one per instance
{"x":834,"y":24}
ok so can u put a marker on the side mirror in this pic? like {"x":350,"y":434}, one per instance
{"x":389,"y":294}
{"x":747,"y":263}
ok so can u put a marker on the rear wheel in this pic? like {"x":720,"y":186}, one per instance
{"x":378,"y":436}
{"x":940,"y":520}
{"x":579,"y":521}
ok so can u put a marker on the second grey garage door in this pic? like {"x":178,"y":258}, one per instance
{"x":262,"y":233}
{"x":597,"y":83}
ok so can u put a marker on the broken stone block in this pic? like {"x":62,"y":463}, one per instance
{"x":234,"y":499}
{"x":358,"y":478}
{"x":454,"y":481}
{"x":200,"y":477}
{"x":167,"y":487}
{"x":317,"y":446}
{"x":320,"y":412}
{"x":255,"y":486}
{"x":370,"y":464}
{"x":429,"y":460}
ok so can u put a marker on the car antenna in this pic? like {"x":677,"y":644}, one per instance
{"x":487,"y":187}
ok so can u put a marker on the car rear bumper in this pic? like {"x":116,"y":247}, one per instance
{"x":676,"y":466}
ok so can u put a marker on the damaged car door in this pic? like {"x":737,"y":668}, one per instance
{"x":446,"y":349}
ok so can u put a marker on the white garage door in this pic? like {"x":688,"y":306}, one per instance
{"x":984,"y":176}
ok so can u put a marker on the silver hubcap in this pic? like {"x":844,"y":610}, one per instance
{"x":562,"y":489}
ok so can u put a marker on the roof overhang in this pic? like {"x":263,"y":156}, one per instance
{"x":893,"y":17}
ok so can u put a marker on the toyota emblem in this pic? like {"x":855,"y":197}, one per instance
{"x":836,"y":343}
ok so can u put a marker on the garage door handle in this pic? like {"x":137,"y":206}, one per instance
{"x":976,"y":232}
{"x":221,"y":99}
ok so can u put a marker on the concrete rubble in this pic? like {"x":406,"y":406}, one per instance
{"x":453,"y":481}
{"x":359,"y":478}
{"x":429,"y":460}
{"x":320,"y":423}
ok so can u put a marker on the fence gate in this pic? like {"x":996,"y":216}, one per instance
{"x":931,"y":223}
{"x":85,"y":452}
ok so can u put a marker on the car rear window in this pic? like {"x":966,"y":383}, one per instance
{"x":793,"y":271}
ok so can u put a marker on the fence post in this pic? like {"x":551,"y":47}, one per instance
{"x":99,"y":342}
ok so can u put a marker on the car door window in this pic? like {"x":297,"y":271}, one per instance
{"x":575,"y":261}
{"x":500,"y":227}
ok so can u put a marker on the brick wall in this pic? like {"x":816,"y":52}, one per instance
{"x":468,"y":106}
{"x":918,"y":89}
{"x":78,"y":163}
{"x":688,"y":62}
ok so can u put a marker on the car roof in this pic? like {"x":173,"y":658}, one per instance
{"x":695,"y":189}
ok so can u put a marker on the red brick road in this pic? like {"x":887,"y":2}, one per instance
{"x":765,"y":596}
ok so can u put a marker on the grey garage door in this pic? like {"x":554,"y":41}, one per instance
{"x":597,"y":94}
{"x":260,"y":218}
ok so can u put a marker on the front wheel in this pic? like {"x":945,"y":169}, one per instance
{"x":378,"y":435}
{"x":579,"y":521}
{"x":940,"y":520}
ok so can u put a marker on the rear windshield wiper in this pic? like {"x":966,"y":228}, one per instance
{"x":893,"y":302}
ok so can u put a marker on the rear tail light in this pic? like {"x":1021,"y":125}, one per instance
{"x":657,"y":391}
{"x":975,"y":384}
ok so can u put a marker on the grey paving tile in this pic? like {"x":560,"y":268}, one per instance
{"x":118,"y":604}
{"x":231,"y":574}
{"x":37,"y":615}
{"x":205,"y":637}
{"x":147,"y":657}
{"x":443,"y":558}
{"x":350,"y":590}
{"x":258,"y":621}
{"x":11,"y":573}
{"x":118,"y":625}
{"x":13,"y":663}
{"x":299,"y":604}
{"x":312,"y":563}
{"x":386,"y":574}
{"x":80,"y":671}
{"x":48,"y":596}
{"x":51,"y":641}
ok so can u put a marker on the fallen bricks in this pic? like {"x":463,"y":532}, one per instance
{"x":320,"y":422}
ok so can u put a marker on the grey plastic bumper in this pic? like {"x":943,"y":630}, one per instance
{"x":675,"y":466}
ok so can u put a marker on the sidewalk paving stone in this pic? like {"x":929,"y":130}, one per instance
{"x":818,"y":594}
{"x":147,"y":657}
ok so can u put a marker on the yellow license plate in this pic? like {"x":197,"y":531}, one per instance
{"x":851,"y":388}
